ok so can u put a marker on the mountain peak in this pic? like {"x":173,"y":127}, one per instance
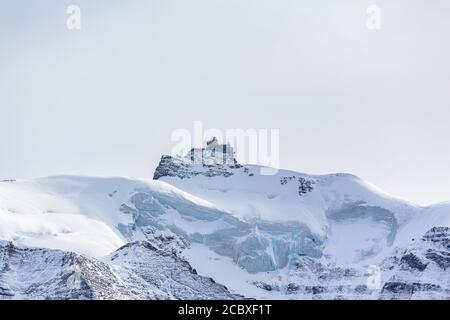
{"x":214,"y":160}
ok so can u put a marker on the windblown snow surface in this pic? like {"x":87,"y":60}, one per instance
{"x":283,"y":236}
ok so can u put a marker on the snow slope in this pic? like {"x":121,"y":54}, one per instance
{"x":72,"y":213}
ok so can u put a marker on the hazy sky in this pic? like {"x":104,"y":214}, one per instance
{"x":104,"y":100}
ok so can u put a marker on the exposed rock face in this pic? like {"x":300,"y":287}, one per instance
{"x":158,"y":274}
{"x":421,"y":270}
{"x":136,"y":271}
{"x":27,"y":273}
{"x":413,"y":262}
{"x":198,"y":162}
{"x":304,"y":185}
{"x":405,"y":291}
{"x":440,"y":235}
{"x":170,"y":167}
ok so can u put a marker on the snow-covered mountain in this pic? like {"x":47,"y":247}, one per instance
{"x":353,"y":225}
{"x":36,"y":273}
{"x":138,"y":270}
{"x":355,"y":221}
{"x":421,"y":270}
{"x":284,"y":235}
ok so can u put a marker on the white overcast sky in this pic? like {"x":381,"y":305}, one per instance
{"x":104,"y":100}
